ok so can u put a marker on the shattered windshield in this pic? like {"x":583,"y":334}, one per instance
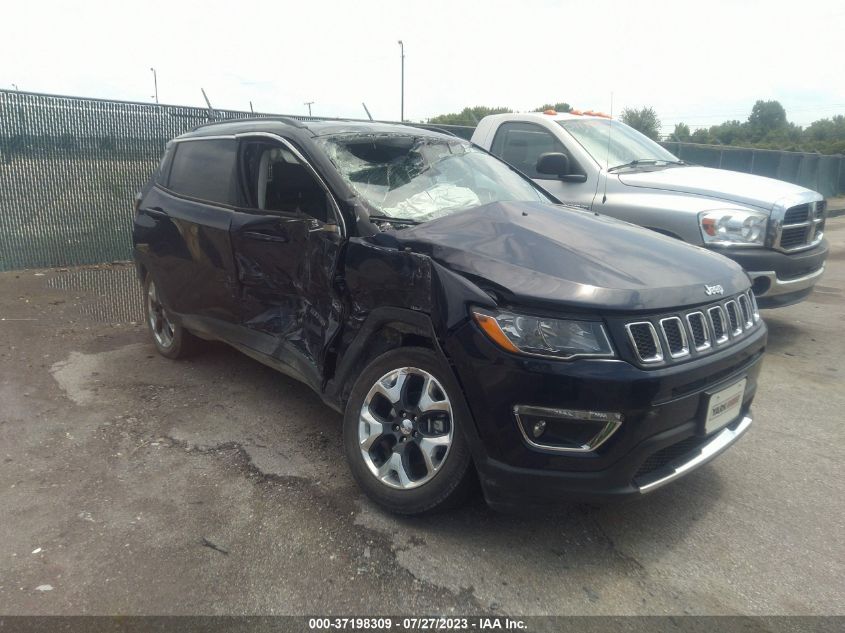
{"x":420,"y":178}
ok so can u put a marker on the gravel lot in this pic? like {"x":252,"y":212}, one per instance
{"x":122,"y":472}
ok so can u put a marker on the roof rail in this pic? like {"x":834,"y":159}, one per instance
{"x":280,"y":119}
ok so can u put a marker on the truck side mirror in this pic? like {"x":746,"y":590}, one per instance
{"x":557,"y":164}
{"x":553,"y":163}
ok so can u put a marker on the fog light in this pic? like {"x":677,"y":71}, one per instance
{"x":566,"y":430}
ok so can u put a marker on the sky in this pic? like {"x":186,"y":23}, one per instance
{"x":700,"y":62}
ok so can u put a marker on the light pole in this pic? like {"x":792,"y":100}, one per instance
{"x":155,"y":83}
{"x":309,"y":104}
{"x":402,"y":107}
{"x":15,"y":86}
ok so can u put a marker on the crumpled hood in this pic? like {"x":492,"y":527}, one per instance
{"x":535,"y":253}
{"x":724,"y":184}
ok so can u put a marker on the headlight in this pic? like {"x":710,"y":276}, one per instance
{"x":541,"y":336}
{"x":728,"y":227}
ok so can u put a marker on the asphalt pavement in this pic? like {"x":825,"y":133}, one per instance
{"x":136,"y":485}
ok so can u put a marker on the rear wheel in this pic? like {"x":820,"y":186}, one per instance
{"x":403,"y":433}
{"x":170,"y":338}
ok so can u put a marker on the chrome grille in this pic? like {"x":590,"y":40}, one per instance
{"x":755,"y":311}
{"x":673,"y":338}
{"x":797,"y":214}
{"x":676,"y":337}
{"x":733,"y":317}
{"x":793,"y":236}
{"x":700,"y":331}
{"x":801,"y":227}
{"x":717,"y":322}
{"x":646,"y":344}
{"x":745,"y":310}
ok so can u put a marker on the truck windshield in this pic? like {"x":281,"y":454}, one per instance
{"x":420,"y":178}
{"x":624,"y":146}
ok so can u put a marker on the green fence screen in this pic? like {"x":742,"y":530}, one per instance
{"x":70,"y":168}
{"x":69,"y":171}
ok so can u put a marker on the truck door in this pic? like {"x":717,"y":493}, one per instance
{"x":520,"y":144}
{"x":286,"y":241}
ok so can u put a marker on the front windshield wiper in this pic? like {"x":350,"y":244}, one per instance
{"x":388,"y":218}
{"x":647,"y":161}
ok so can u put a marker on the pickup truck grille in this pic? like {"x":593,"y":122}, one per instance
{"x":801,"y":227}
{"x":664,"y":339}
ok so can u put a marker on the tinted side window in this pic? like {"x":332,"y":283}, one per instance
{"x":205,"y":170}
{"x":162,"y":174}
{"x":521,"y":144}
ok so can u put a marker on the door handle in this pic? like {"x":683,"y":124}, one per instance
{"x":156,"y":211}
{"x":265,"y":237}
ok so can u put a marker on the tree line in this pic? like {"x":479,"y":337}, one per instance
{"x":471,"y":116}
{"x":767,"y":127}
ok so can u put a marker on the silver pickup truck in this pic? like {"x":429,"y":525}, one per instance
{"x":773,"y":229}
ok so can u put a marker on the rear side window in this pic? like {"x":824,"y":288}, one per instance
{"x":521,"y":144}
{"x":163,"y":172}
{"x":205,"y":170}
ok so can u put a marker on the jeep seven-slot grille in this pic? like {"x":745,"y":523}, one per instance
{"x":700,"y":333}
{"x":676,"y":338}
{"x":733,"y":316}
{"x":745,"y":308}
{"x":672,"y":338}
{"x":717,"y":321}
{"x":645,"y":342}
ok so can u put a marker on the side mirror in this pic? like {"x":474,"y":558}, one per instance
{"x":557,"y":164}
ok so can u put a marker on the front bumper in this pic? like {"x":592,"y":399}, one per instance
{"x":507,"y":488}
{"x":660,"y":439}
{"x":781,"y":279}
{"x":683,"y":464}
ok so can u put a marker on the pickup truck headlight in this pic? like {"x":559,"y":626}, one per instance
{"x":541,"y":336}
{"x":731,"y":227}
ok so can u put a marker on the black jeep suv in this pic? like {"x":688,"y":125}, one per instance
{"x":461,"y":320}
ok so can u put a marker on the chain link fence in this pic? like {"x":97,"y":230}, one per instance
{"x":70,"y":168}
{"x":69,"y":171}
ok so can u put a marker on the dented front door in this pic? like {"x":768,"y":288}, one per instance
{"x":285,"y":265}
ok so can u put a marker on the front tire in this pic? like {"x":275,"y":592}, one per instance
{"x":403,"y":433}
{"x":170,"y":338}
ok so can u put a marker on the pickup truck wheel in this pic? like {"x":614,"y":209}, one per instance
{"x":170,"y":338}
{"x":403,"y":434}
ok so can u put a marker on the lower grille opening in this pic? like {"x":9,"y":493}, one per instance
{"x":664,"y":456}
